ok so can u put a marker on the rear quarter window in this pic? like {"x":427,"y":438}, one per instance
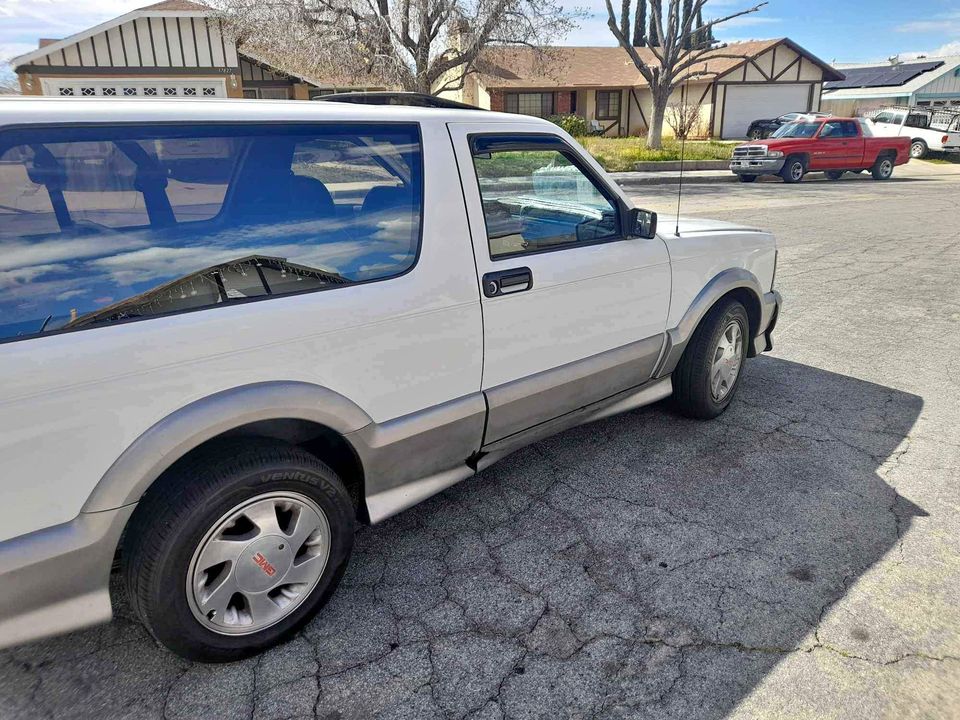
{"x":100,"y":225}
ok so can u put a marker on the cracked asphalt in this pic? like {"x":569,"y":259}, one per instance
{"x":796,"y":558}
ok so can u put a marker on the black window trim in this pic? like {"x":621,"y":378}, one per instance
{"x":576,"y":159}
{"x":412,"y":124}
{"x":619,"y":94}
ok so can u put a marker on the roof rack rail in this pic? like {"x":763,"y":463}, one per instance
{"x":408,"y":99}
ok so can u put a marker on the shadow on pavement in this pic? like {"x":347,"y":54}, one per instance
{"x":642,"y":566}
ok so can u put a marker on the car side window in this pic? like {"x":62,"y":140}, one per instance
{"x":832,"y":129}
{"x":105,"y":224}
{"x":537,"y":197}
{"x":850,"y":129}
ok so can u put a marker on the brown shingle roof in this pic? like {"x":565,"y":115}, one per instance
{"x":594,"y":66}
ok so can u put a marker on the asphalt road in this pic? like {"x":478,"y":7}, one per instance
{"x":796,"y":558}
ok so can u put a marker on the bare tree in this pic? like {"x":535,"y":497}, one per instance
{"x":683,"y":118}
{"x":425,"y":46}
{"x":679,"y":41}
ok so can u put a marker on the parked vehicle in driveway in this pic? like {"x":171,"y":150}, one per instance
{"x":929,"y":129}
{"x":832,"y":145}
{"x":231,"y":330}
{"x":760,"y":129}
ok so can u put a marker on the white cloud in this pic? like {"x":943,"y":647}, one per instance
{"x":944,"y":23}
{"x":950,"y":48}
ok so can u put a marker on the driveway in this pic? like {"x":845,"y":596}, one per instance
{"x":796,"y":558}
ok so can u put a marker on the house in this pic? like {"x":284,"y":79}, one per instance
{"x":765,"y":78}
{"x":927,"y":82}
{"x":174,"y":48}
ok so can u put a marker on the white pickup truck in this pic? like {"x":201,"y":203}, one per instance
{"x":930,"y":129}
{"x":230,"y":330}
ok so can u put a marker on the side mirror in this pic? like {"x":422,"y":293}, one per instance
{"x":642,"y":223}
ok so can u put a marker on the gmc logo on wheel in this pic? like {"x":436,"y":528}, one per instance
{"x":264,"y":564}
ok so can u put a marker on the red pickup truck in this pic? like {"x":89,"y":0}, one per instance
{"x":832,"y":145}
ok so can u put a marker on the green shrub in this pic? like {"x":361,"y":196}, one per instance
{"x":573,"y":124}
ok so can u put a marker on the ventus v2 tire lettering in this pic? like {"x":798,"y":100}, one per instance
{"x":708,"y":374}
{"x":236,"y":548}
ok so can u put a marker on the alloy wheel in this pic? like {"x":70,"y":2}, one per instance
{"x":258,"y":563}
{"x":727,"y":360}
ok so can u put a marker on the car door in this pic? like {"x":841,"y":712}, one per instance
{"x":574,"y":308}
{"x":829,"y":148}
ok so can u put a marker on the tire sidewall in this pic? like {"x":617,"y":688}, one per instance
{"x":789,"y":168}
{"x":733,"y":312}
{"x":170,"y":618}
{"x":922,"y":149}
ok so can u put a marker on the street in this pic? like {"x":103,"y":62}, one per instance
{"x":798,"y":557}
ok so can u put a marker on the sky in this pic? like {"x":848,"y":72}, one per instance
{"x":833,"y":30}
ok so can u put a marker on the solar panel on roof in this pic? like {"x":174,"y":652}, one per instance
{"x":881,"y":75}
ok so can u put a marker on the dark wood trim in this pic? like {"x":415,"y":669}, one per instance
{"x":636,"y":99}
{"x":810,"y":98}
{"x":206,"y":27}
{"x":713,"y":107}
{"x":109,"y":51}
{"x":279,"y":82}
{"x":153,"y":50}
{"x":759,"y":69}
{"x":722,"y":113}
{"x":93,"y":46}
{"x":123,"y":47}
{"x":166,"y":40}
{"x":53,"y":70}
{"x":773,"y":63}
{"x":196,"y":46}
{"x":223,"y":43}
{"x":783,"y":72}
{"x":705,"y":91}
{"x":63,"y":54}
{"x":799,"y":68}
{"x":136,"y":36}
{"x":183,"y":55}
{"x":765,"y":82}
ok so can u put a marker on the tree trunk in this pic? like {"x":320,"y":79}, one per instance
{"x":655,"y":131}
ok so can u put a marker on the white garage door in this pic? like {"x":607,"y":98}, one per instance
{"x":135,"y":88}
{"x":746,"y":103}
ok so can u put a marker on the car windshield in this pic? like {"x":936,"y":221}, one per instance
{"x":797,"y":130}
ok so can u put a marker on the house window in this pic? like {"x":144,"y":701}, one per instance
{"x":537,"y":104}
{"x":608,"y":105}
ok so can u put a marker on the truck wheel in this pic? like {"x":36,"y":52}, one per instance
{"x":834,"y":174}
{"x":236,"y":548}
{"x":747,"y":178}
{"x":756,"y":134}
{"x":918,"y":149}
{"x":708,"y":374}
{"x":883,"y":168}
{"x":793,"y":170}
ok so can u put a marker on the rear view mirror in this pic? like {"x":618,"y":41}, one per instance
{"x":642,"y":223}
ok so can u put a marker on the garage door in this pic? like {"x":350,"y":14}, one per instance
{"x":135,"y":88}
{"x":746,"y":103}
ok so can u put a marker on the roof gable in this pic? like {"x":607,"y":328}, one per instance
{"x":566,"y":66}
{"x":160,"y":9}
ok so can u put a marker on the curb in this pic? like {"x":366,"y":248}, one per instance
{"x":626,"y":184}
{"x":674,"y":165}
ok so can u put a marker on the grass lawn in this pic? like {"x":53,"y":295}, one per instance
{"x":944,"y":158}
{"x":619,"y":154}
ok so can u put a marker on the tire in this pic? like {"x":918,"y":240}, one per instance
{"x":834,"y":174}
{"x":693,"y":392}
{"x":747,"y":178}
{"x":204,"y":505}
{"x":883,"y":168}
{"x":793,"y":170}
{"x":755,"y":134}
{"x":918,"y":149}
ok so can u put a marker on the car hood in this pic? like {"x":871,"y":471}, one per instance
{"x":668,"y":225}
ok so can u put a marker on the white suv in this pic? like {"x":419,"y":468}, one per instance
{"x":229,"y":330}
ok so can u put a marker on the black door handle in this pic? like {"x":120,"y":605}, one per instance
{"x":506,"y":282}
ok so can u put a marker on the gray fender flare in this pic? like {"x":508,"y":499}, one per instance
{"x":185,"y":429}
{"x":719,"y":285}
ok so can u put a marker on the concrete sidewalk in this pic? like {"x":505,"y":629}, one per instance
{"x":913,"y":169}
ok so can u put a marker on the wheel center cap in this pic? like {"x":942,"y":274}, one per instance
{"x":263,"y":563}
